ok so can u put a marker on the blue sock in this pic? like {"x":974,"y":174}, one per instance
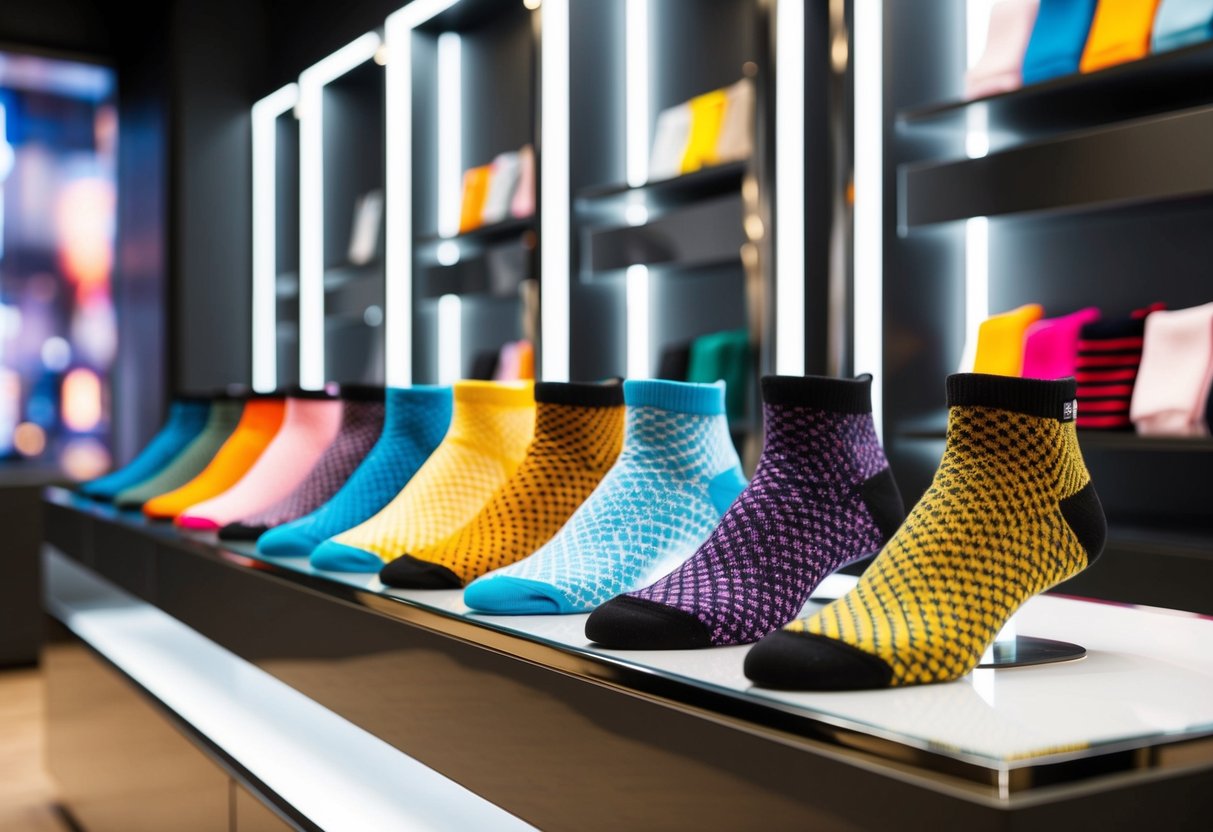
{"x":415,"y":421}
{"x":186,"y":419}
{"x":677,"y":475}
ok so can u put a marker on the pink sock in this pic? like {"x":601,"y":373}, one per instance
{"x":1051,"y":346}
{"x":1000,"y":68}
{"x":1176,"y":372}
{"x":310,"y":426}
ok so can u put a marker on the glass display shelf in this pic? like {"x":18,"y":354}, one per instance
{"x":1141,"y":697}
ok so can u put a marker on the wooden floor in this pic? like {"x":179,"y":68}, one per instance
{"x":26,"y":793}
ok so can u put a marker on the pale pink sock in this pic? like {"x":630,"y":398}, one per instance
{"x":1176,"y":372}
{"x":1000,"y":68}
{"x":507,"y":362}
{"x":309,"y":427}
{"x":1050,"y":347}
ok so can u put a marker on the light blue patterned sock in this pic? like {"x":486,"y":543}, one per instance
{"x":186,"y":419}
{"x":676,"y":476}
{"x":415,"y":421}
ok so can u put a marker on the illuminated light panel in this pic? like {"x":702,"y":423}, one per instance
{"x":311,"y":200}
{"x":450,"y":133}
{"x":789,"y":196}
{"x":450,"y":339}
{"x":266,"y":113}
{"x":868,"y":347}
{"x":637,"y":91}
{"x":977,"y":229}
{"x":638,"y":300}
{"x":554,"y":192}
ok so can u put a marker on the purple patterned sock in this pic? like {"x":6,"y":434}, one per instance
{"x":361,"y":423}
{"x":823,"y":496}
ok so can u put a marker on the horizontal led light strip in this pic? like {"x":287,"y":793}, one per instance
{"x":398,"y":266}
{"x":311,"y":201}
{"x":789,"y":191}
{"x":555,"y":229}
{"x":265,"y":115}
{"x":868,"y":256}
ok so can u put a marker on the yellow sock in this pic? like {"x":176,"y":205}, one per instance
{"x":707,"y":117}
{"x":491,"y":427}
{"x":1000,"y":340}
{"x":1011,"y":512}
{"x":578,"y":435}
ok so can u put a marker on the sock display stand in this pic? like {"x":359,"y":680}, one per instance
{"x":497,"y":703}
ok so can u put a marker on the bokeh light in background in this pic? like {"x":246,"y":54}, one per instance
{"x":58,"y":334}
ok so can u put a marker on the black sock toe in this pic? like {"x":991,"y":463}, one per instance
{"x":407,"y":572}
{"x":801,"y":661}
{"x":239,"y":531}
{"x":628,"y":623}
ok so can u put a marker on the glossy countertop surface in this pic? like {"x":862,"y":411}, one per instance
{"x":1146,"y":680}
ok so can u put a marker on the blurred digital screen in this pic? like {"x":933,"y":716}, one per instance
{"x":58,"y":336}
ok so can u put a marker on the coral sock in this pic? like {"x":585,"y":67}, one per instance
{"x":578,"y":435}
{"x":1000,"y":341}
{"x":186,"y":419}
{"x":823,"y":496}
{"x":1050,"y":347}
{"x":415,"y":420}
{"x":1011,"y":512}
{"x":259,"y":423}
{"x":221,"y":421}
{"x":676,"y":476}
{"x":309,"y":426}
{"x":490,"y":430}
{"x":1176,"y":372}
{"x":361,"y":425}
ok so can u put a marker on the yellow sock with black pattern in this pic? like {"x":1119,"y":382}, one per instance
{"x":1011,"y":512}
{"x":578,"y":436}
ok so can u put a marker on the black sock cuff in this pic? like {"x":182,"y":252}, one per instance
{"x":580,"y":394}
{"x":1029,"y":396}
{"x":361,"y":393}
{"x":839,"y":395}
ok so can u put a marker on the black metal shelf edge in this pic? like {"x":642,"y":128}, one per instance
{"x":1147,"y":160}
{"x":1153,"y":84}
{"x":705,"y":182}
{"x":505,"y":229}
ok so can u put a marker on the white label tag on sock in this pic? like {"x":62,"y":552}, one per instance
{"x":1069,"y":411}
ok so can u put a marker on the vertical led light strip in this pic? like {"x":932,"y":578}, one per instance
{"x":398,"y":205}
{"x":450,"y":132}
{"x":636,"y":167}
{"x":398,"y":265}
{"x":638,"y":322}
{"x":266,"y":113}
{"x":789,"y":191}
{"x":977,"y":229}
{"x":450,"y":339}
{"x":311,"y":201}
{"x":555,"y":229}
{"x":636,"y":91}
{"x":868,"y":348}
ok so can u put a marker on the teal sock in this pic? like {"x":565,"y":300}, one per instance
{"x":221,"y":421}
{"x":186,"y":419}
{"x":415,"y":421}
{"x":677,"y":475}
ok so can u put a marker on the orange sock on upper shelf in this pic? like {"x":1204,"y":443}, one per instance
{"x":1120,"y":32}
{"x":259,"y":423}
{"x":1000,"y":340}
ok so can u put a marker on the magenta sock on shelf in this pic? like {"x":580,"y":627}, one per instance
{"x":1051,"y":346}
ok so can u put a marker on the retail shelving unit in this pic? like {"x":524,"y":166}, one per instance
{"x":660,"y":262}
{"x":474,"y":83}
{"x":1088,"y":190}
{"x":307,"y":686}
